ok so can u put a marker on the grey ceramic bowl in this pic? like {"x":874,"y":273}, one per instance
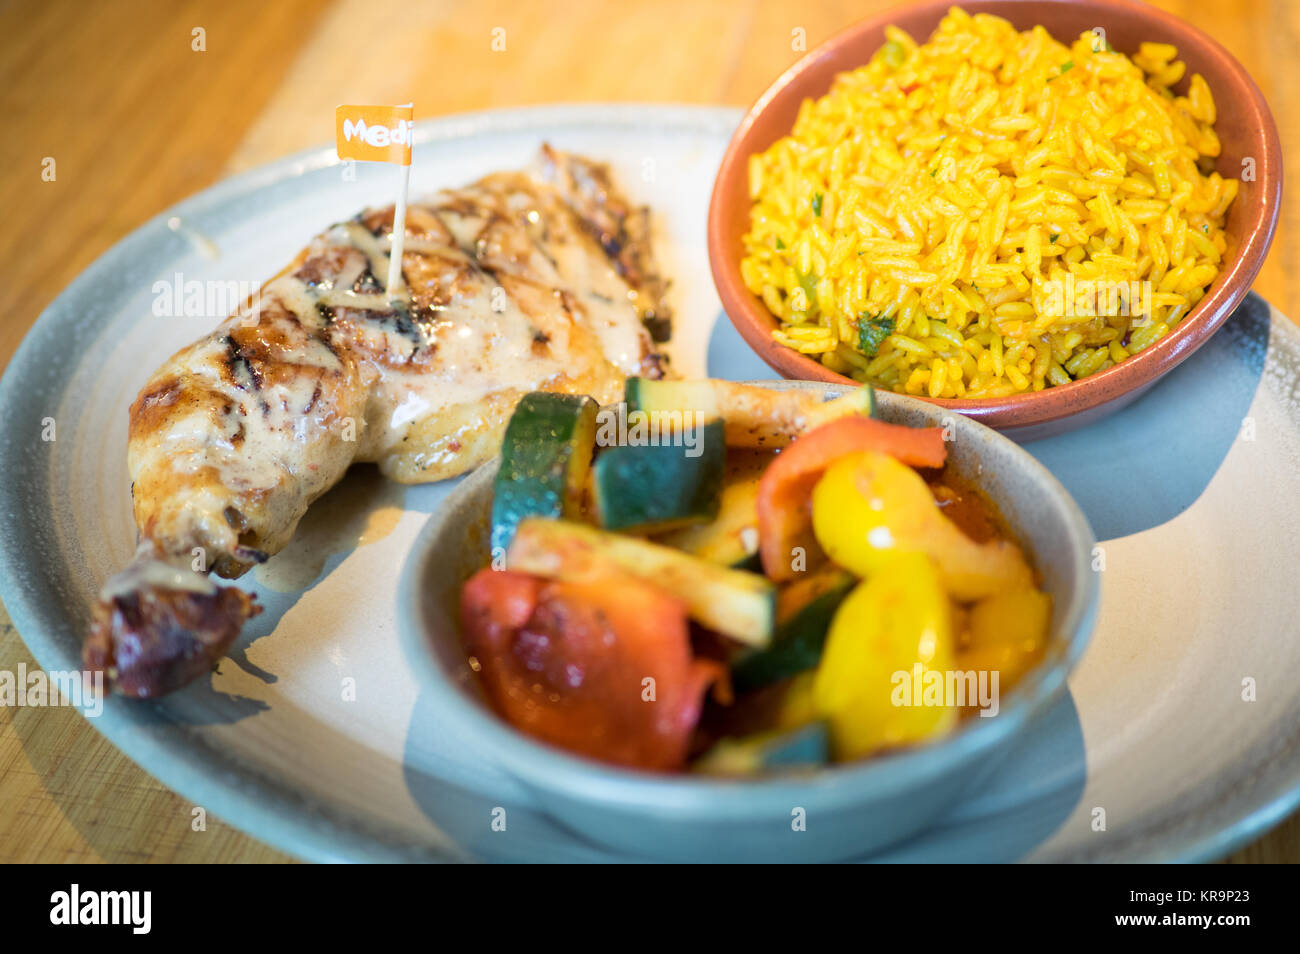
{"x":850,"y":809}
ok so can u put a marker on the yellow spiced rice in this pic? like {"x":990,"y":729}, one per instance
{"x":990,"y":212}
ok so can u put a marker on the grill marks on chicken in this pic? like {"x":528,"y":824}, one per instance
{"x":522,"y":281}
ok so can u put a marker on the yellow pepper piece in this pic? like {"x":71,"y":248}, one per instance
{"x":869,"y":508}
{"x":797,"y":707}
{"x":1007,"y":634}
{"x":896,"y":624}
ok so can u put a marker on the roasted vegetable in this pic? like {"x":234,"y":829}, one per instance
{"x":647,"y":488}
{"x":731,"y":602}
{"x":804,"y":610}
{"x":756,"y":417}
{"x":730,"y":538}
{"x":1007,"y":634}
{"x":889,"y":632}
{"x":545,"y":456}
{"x":601,"y":667}
{"x":869,"y":508}
{"x":860,"y":402}
{"x":879,"y":595}
{"x":797,"y":707}
{"x":657,"y":396}
{"x":784,"y":517}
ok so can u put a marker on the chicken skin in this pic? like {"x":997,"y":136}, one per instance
{"x":535,"y":280}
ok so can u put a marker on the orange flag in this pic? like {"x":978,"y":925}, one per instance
{"x":381,"y":134}
{"x":374,"y":133}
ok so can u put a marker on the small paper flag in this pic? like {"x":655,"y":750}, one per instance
{"x":374,"y":133}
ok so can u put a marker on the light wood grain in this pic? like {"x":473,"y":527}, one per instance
{"x":137,"y":120}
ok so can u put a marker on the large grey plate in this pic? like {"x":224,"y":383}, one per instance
{"x":314,"y":736}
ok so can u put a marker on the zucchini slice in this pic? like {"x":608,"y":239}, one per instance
{"x":666,"y":397}
{"x":754,"y":416}
{"x":860,"y":401}
{"x":804,"y":612}
{"x":545,"y":458}
{"x":647,"y":488}
{"x":731,"y":602}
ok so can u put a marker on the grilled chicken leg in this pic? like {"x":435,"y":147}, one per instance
{"x":537,"y":280}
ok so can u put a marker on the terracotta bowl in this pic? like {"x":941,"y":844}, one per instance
{"x":1245,"y":127}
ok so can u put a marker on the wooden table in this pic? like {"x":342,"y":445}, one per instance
{"x":136,"y":118}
